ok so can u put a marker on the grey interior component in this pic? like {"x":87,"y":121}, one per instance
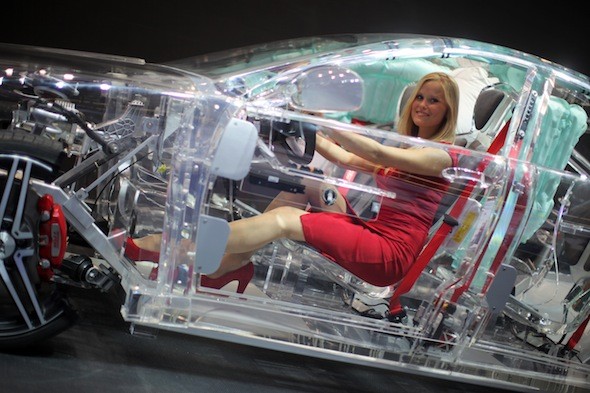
{"x":235,"y":150}
{"x":501,"y":288}
{"x":211,"y":241}
{"x":485,"y":105}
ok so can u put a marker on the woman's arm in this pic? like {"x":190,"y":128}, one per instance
{"x":334,"y":153}
{"x":426,"y":161}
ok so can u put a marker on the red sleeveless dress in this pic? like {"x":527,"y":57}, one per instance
{"x":380,"y":251}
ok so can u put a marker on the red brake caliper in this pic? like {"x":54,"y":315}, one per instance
{"x":52,"y":236}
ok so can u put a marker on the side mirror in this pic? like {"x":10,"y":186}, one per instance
{"x":320,"y":89}
{"x":325,"y":89}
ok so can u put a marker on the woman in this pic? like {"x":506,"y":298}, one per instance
{"x":381,"y":251}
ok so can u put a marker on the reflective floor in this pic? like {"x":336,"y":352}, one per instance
{"x":99,"y":354}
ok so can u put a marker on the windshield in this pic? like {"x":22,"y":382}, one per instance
{"x":262,"y":55}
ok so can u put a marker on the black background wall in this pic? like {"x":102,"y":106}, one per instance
{"x":164,"y":30}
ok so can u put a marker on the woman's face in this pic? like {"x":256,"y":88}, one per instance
{"x":429,"y":109}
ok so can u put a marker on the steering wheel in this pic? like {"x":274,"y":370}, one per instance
{"x":293,"y":142}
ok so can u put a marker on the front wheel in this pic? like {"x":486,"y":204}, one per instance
{"x":31,"y":307}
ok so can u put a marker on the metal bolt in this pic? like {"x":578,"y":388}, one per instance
{"x":91,"y":275}
{"x":7,"y":245}
{"x":45,"y":215}
{"x":44,"y":263}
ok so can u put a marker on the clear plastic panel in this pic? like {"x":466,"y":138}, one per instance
{"x":297,"y":295}
{"x":495,"y":203}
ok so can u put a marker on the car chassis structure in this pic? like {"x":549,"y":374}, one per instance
{"x":96,"y":149}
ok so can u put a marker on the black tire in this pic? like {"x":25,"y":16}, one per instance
{"x":36,"y":146}
{"x":38,"y":311}
{"x":40,"y":148}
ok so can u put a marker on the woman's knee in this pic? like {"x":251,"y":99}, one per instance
{"x":289,"y":222}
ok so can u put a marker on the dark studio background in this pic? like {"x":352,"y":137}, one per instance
{"x":164,"y":30}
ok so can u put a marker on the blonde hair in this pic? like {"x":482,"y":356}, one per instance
{"x":446,"y":132}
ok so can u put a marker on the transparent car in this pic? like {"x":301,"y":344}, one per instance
{"x":98,"y":149}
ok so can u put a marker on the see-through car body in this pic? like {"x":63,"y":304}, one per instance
{"x":97,"y":149}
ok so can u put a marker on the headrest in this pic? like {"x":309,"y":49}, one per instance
{"x":408,"y":90}
{"x":471,"y":81}
{"x":485,"y":105}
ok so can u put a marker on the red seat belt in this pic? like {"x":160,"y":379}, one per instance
{"x":349,"y":175}
{"x":575,"y":338}
{"x":447,"y":225}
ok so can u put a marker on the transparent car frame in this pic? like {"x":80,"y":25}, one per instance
{"x":498,"y":296}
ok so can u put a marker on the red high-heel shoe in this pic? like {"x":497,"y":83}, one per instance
{"x":135,"y":253}
{"x":243,"y":275}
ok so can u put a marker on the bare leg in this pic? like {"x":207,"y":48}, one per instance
{"x":249,"y":234}
{"x":231,"y":262}
{"x":149,"y":242}
{"x":284,"y":198}
{"x":281,"y":219}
